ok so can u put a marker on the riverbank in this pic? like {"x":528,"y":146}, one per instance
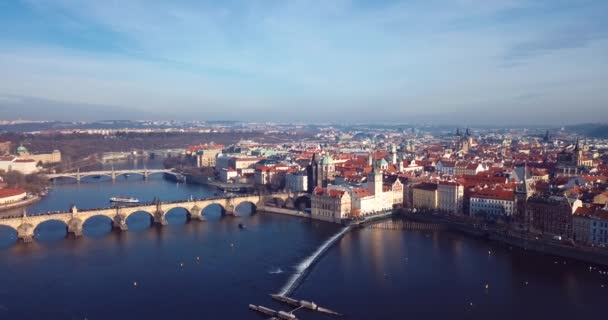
{"x":203,"y":180}
{"x":539,"y":245}
{"x":289,"y":212}
{"x":18,"y":204}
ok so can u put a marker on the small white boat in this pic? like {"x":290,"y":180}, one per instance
{"x":124,"y":200}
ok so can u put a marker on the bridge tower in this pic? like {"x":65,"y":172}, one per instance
{"x":159,"y":214}
{"x":119,"y":221}
{"x":78,"y":175}
{"x":75,"y":223}
{"x":25,"y":231}
{"x":113,"y":175}
{"x":196,"y":213}
{"x":230,"y":208}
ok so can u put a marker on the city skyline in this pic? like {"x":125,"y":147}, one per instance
{"x":478,"y":62}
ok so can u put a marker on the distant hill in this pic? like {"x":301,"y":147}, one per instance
{"x":593,"y":130}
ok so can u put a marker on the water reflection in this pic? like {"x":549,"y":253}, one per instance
{"x":97,"y":226}
{"x":139,"y":220}
{"x":177,"y":216}
{"x":52,"y":230}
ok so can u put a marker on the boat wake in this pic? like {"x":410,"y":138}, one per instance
{"x":304,"y":266}
{"x":276,"y":271}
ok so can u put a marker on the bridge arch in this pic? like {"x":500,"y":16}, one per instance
{"x":8,"y":235}
{"x":88,"y":175}
{"x":136,"y":220}
{"x":177,"y":214}
{"x":125,"y":174}
{"x":302,"y":202}
{"x":160,"y":172}
{"x":213,"y":211}
{"x":97,"y":225}
{"x":245,"y":207}
{"x":8,"y":226}
{"x":275,"y":201}
{"x":51,"y":229}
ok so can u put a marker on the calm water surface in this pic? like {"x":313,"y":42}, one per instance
{"x":213,"y":270}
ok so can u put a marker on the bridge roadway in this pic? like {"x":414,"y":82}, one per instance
{"x":108,"y":173}
{"x":75,"y":219}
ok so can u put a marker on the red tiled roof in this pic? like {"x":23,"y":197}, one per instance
{"x":496,"y":194}
{"x":5,"y":193}
{"x":330,"y":192}
{"x":361,"y":192}
{"x":204,"y":146}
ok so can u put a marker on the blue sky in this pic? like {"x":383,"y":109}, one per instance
{"x":471,"y":61}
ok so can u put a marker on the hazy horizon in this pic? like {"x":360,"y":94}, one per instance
{"x":474,"y":62}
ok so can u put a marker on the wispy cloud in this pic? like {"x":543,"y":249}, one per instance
{"x":564,"y":38}
{"x":346,"y":56}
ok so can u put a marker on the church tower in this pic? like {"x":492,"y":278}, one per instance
{"x":578,"y":153}
{"x":400,"y":165}
{"x":312,"y":171}
{"x":374,"y":181}
{"x":523,"y":191}
{"x":326,"y":171}
{"x":393,"y":154}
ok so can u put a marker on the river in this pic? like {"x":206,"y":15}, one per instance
{"x":213,"y":269}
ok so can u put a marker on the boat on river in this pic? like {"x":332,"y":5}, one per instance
{"x":124,"y":200}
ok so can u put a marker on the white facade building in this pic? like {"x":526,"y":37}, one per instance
{"x":25,"y":166}
{"x":450,"y":195}
{"x":296,"y":182}
{"x":492,"y":202}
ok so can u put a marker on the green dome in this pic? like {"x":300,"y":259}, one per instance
{"x":327,"y":160}
{"x":21,"y":149}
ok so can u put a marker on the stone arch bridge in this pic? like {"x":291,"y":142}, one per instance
{"x":108,"y":173}
{"x":75,"y":219}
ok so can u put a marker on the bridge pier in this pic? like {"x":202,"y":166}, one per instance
{"x":25,"y":233}
{"x":75,"y":229}
{"x":26,"y":238}
{"x":120,"y":223}
{"x":196,"y":214}
{"x":75,"y":223}
{"x":159,"y":218}
{"x":120,"y":226}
